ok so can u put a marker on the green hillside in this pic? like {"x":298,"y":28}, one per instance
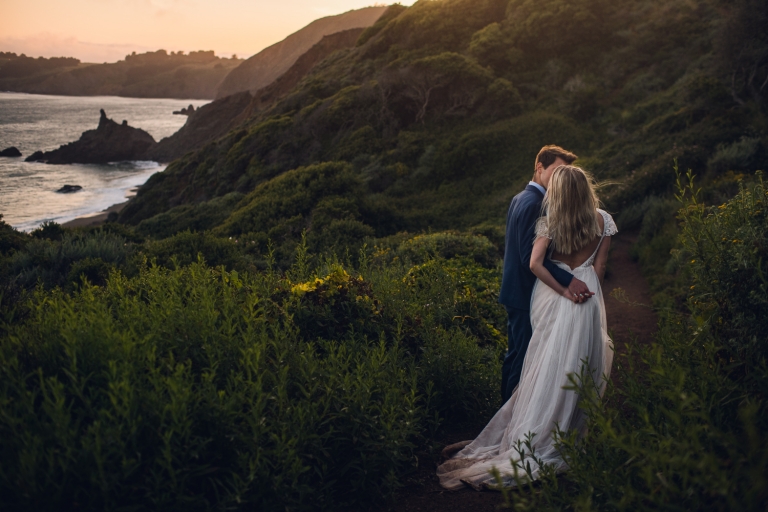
{"x":441,"y":107}
{"x":296,"y":315}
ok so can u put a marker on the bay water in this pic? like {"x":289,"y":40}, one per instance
{"x":34,"y":122}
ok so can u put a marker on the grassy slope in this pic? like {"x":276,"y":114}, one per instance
{"x":686,"y":429}
{"x":629,"y":86}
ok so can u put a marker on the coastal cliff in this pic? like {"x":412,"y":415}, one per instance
{"x":204,"y":125}
{"x":215,"y":119}
{"x":304,"y":65}
{"x":109,"y":142}
{"x":266,"y":66}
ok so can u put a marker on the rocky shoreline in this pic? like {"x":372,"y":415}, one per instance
{"x":109,"y":142}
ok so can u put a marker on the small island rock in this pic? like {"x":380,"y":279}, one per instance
{"x":12,"y":151}
{"x":109,"y":142}
{"x":69,"y":188}
{"x":185,"y":111}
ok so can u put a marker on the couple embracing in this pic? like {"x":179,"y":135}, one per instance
{"x":556,"y":251}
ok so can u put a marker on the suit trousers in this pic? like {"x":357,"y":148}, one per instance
{"x":519,"y":332}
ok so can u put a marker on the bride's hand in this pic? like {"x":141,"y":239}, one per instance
{"x":570,"y":296}
{"x":578,"y":291}
{"x":575,"y":297}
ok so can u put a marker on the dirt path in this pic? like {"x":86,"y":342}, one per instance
{"x":625,"y":322}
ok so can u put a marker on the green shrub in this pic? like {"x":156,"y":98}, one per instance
{"x":193,"y":217}
{"x":323,"y":200}
{"x":182,"y":390}
{"x":294,"y":193}
{"x":196,"y":388}
{"x":49,"y":231}
{"x":185,"y":247}
{"x":491,"y":46}
{"x":445,"y":314}
{"x":10,"y":239}
{"x":392,"y":12}
{"x":502,"y":100}
{"x":446,"y":244}
{"x":336,"y":305}
{"x":49,"y":262}
{"x":687,"y":429}
{"x":363,"y":141}
{"x":123,"y":230}
{"x":728,"y":250}
{"x":464,"y":381}
{"x":741,"y":155}
{"x":511,"y":140}
{"x":631,"y":217}
{"x":95,"y":270}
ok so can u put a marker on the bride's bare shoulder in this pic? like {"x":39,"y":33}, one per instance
{"x":600,"y":219}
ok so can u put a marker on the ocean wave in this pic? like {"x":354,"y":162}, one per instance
{"x":135,"y":164}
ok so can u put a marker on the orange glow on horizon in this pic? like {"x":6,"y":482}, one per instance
{"x":107,"y":30}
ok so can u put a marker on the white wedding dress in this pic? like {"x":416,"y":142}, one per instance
{"x":564,"y":335}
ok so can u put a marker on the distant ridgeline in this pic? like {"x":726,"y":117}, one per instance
{"x":149,"y":75}
{"x":17,"y":66}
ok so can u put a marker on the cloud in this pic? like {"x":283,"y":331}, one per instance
{"x":46,"y":44}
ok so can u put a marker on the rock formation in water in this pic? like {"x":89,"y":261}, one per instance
{"x":11,"y":152}
{"x":110,"y":142}
{"x":185,"y":111}
{"x":66,"y":189}
{"x":263,"y":68}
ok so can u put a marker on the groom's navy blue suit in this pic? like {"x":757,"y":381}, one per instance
{"x":518,"y":280}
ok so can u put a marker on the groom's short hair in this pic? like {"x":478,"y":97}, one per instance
{"x":548,"y":154}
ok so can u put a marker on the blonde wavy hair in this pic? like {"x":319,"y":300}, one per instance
{"x":570,"y":209}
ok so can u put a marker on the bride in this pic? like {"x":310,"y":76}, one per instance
{"x":565,"y":336}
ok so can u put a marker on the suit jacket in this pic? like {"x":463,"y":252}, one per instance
{"x":518,"y":280}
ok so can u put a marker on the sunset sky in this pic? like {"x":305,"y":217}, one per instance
{"x":106,"y":30}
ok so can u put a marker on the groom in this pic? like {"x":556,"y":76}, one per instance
{"x":518,"y":280}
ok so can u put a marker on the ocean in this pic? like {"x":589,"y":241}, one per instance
{"x":34,"y":122}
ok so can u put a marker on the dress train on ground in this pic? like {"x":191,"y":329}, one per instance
{"x":565,"y":336}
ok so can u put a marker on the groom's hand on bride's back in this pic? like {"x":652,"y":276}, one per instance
{"x":578,"y":291}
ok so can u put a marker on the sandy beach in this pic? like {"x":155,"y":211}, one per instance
{"x":99,"y":218}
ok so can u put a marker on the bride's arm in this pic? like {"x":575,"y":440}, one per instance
{"x":601,"y":259}
{"x":538,"y":268}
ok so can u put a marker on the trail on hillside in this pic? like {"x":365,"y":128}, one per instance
{"x":626,"y":322}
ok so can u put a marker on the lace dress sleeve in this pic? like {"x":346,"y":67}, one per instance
{"x":542,"y":228}
{"x":609,"y":229}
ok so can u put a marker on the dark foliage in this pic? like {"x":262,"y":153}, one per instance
{"x":199,"y":388}
{"x":196,"y":375}
{"x":687,"y":429}
{"x":17,"y":66}
{"x":10,"y":239}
